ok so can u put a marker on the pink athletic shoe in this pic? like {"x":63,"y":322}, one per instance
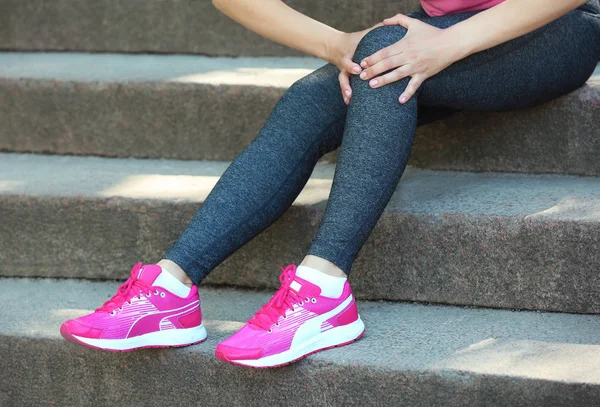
{"x":140,"y":315}
{"x":296,"y":322}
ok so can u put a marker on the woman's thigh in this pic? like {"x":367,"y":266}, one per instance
{"x":546,"y":63}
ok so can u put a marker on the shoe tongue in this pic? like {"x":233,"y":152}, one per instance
{"x":148,"y":273}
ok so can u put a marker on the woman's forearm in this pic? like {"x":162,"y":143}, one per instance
{"x":275,"y":20}
{"x":506,"y":21}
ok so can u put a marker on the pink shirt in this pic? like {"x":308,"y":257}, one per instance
{"x":441,"y":7}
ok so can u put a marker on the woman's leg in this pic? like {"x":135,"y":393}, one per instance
{"x":265,"y":179}
{"x":377,"y":140}
{"x":312,"y":311}
{"x":379,"y":131}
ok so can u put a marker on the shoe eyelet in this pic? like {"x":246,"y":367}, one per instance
{"x":307,"y":299}
{"x":162,"y":295}
{"x":113,"y":313}
{"x":156,"y":292}
{"x":277,"y":325}
{"x":301,"y":303}
{"x":270,"y":331}
{"x":314,"y":300}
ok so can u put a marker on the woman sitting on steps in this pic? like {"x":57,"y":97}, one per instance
{"x":486,"y":55}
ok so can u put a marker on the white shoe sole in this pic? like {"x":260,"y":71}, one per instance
{"x":339,"y":336}
{"x":161,"y":339}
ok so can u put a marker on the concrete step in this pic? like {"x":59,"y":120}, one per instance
{"x":410,"y":355}
{"x":166,"y":26}
{"x":181,"y":107}
{"x":493,"y":240}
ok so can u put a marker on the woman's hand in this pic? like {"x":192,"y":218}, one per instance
{"x":342,"y":54}
{"x":423,"y":52}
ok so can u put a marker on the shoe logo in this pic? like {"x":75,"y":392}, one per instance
{"x":296,"y":286}
{"x":312,"y":327}
{"x":151,"y":322}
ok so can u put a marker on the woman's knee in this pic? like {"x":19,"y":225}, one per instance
{"x":377,"y":39}
{"x":322,"y":78}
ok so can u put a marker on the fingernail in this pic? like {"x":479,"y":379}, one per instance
{"x":347,"y":92}
{"x":356,"y":69}
{"x":403,"y":99}
{"x":363,"y":75}
{"x":373,"y":82}
{"x":363,"y":64}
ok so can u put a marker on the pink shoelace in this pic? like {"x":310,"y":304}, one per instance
{"x":282,"y":300}
{"x":126,"y":291}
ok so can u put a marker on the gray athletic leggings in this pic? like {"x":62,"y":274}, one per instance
{"x":375,"y":134}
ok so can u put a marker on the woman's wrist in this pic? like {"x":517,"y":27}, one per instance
{"x":335,"y":47}
{"x":460,"y":43}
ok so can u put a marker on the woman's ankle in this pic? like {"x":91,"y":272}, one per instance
{"x":322,"y":265}
{"x":176,"y":271}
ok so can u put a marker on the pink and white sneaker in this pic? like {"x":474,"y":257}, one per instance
{"x":142,"y":314}
{"x":296,"y":322}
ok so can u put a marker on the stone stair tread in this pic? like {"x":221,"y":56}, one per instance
{"x":466,"y":353}
{"x":83,"y":67}
{"x":487,"y":239}
{"x":420,"y":191}
{"x":157,"y":106}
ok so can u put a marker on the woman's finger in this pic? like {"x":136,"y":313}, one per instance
{"x":385,"y":65}
{"x":412,"y":87}
{"x":350,"y":66}
{"x":399,"y":19}
{"x":382,"y":54}
{"x":393,"y":76}
{"x":344,"y":79}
